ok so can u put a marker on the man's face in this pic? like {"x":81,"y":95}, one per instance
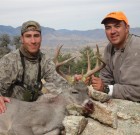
{"x":116,"y":32}
{"x":31,"y":41}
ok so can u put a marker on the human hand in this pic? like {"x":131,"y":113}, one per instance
{"x":2,"y":103}
{"x":77,"y":77}
{"x":97,"y":83}
{"x":88,"y":81}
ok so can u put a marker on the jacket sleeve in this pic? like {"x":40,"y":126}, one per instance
{"x":129,"y":86}
{"x":7,"y":73}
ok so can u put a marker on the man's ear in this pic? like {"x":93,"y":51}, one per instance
{"x":127,"y":26}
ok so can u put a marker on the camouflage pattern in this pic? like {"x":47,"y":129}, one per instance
{"x":3,"y":51}
{"x":11,"y":70}
{"x":26,"y":26}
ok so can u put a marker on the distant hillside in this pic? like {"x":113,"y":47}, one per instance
{"x":67,"y":37}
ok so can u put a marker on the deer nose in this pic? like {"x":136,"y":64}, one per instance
{"x":88,"y":107}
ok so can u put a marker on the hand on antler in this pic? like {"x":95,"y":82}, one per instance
{"x":90,"y":72}
{"x":97,"y":83}
{"x":80,"y":77}
{"x":77,"y":77}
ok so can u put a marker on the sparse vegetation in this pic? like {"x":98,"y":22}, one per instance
{"x":16,"y":41}
{"x":78,"y":66}
{"x":4,"y":40}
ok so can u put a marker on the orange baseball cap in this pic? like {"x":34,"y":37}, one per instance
{"x":116,"y":15}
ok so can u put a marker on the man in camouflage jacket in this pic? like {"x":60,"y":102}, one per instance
{"x":21,"y":71}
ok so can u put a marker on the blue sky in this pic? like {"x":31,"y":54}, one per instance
{"x":67,"y":14}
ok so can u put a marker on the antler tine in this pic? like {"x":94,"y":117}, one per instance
{"x":96,"y":69}
{"x":64,"y":62}
{"x":89,"y":64}
{"x":98,"y":66}
{"x":58,"y":64}
{"x":98,"y":52}
{"x":98,"y":55}
{"x":57,"y":53}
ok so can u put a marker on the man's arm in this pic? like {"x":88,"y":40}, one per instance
{"x":7,"y":75}
{"x":127,"y":86}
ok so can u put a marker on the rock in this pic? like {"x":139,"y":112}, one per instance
{"x":97,"y":95}
{"x":105,"y":114}
{"x":115,"y":117}
{"x":74,"y":125}
{"x":128,"y":119}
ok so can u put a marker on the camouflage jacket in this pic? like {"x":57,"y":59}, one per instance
{"x":11,"y":72}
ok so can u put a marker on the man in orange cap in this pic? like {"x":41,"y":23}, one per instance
{"x":121,"y":77}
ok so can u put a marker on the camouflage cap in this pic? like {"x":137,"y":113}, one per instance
{"x":30,"y":26}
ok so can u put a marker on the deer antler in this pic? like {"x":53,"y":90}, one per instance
{"x":58,"y":64}
{"x":98,"y":65}
{"x":57,"y":67}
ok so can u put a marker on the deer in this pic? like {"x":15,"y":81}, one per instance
{"x":45,"y":115}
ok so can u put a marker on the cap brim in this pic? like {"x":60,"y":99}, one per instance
{"x":105,"y":19}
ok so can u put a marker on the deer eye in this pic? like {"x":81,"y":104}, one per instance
{"x":75,"y":92}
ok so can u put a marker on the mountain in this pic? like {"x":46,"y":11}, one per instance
{"x":52,"y":37}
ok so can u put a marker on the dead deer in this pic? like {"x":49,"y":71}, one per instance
{"x":43,"y":116}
